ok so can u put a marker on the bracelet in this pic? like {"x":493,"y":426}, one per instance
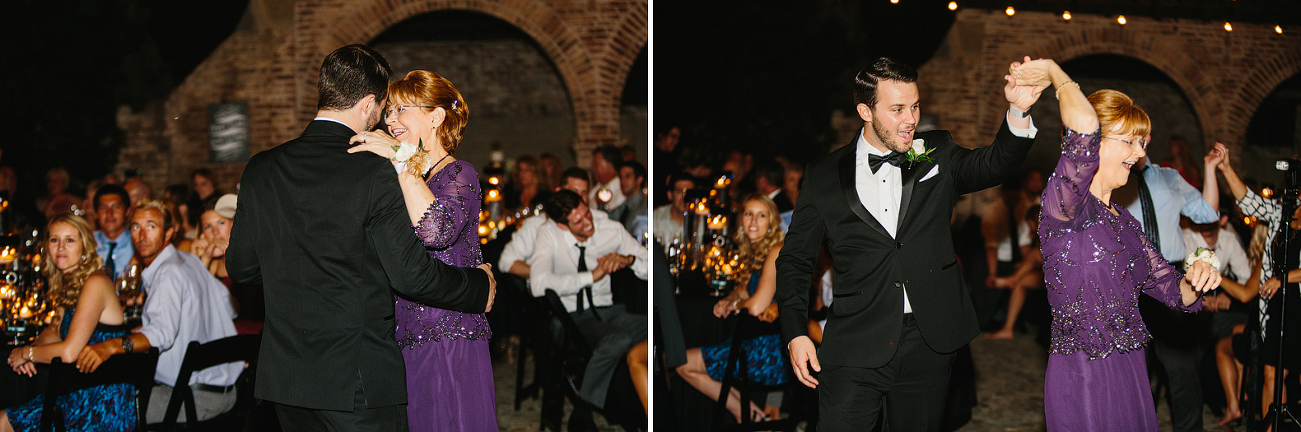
{"x":127,"y":345}
{"x":1059,"y":88}
{"x":29,"y":353}
{"x":734,"y":302}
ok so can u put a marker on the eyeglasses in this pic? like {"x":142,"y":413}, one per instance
{"x":1142,"y":142}
{"x":399,"y":109}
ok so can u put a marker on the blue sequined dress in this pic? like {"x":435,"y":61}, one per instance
{"x":1095,"y":266}
{"x":449,"y":372}
{"x":96,"y":409}
{"x":766,"y":357}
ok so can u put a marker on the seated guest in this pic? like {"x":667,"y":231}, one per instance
{"x":576,"y":262}
{"x":606,"y":178}
{"x":769,"y":179}
{"x":78,"y":287}
{"x":525,"y":189}
{"x":183,"y":303}
{"x":760,"y":242}
{"x":190,"y":209}
{"x":58,"y":200}
{"x":632,"y":179}
{"x":214,"y":235}
{"x":204,"y":183}
{"x":791,"y":183}
{"x":517,"y":256}
{"x":1028,"y":274}
{"x":670,"y":219}
{"x":138,"y":189}
{"x":113,"y":241}
{"x":1230,"y":305}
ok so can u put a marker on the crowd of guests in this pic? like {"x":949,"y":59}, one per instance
{"x":174,"y":247}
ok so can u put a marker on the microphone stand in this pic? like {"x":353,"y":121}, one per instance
{"x":1291,"y":177}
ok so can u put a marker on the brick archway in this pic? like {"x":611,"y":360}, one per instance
{"x":270,"y":64}
{"x":1223,"y":75}
{"x":593,"y":62}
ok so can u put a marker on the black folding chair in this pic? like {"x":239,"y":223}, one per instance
{"x":238,"y":348}
{"x":737,"y":374}
{"x":134,"y":369}
{"x":533,"y":338}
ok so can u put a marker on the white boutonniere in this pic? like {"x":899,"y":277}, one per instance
{"x":1202,"y":254}
{"x":919,"y":152}
{"x":405,"y":151}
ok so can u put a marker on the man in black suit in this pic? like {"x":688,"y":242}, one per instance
{"x":900,"y":309}
{"x":769,"y":177}
{"x":327,"y":234}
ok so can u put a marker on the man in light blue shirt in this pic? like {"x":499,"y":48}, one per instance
{"x":112,"y":239}
{"x":1172,"y":197}
{"x":1175,"y":344}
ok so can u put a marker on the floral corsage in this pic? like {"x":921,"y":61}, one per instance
{"x":1202,"y":254}
{"x":417,"y":154}
{"x":919,"y":152}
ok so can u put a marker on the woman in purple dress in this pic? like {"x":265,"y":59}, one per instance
{"x":449,"y":373}
{"x":1096,"y":263}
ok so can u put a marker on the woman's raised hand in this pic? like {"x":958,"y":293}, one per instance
{"x":1033,"y":72}
{"x":377,"y":142}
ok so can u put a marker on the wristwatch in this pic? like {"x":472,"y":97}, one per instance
{"x":1018,"y":113}
{"x":127,"y":345}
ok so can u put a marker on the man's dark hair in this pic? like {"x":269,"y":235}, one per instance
{"x":560,"y":204}
{"x":112,"y":189}
{"x":638,"y":169}
{"x":883,"y":68}
{"x":577,"y":173}
{"x":771,"y":171}
{"x":349,"y":74}
{"x":610,"y":153}
{"x":680,"y":176}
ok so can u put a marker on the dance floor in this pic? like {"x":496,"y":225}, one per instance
{"x":1009,"y":383}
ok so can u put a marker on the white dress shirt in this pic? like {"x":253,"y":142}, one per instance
{"x":185,"y":303}
{"x":616,"y":195}
{"x":555,"y":261}
{"x":1233,"y":258}
{"x":881,"y":191}
{"x":520,"y":247}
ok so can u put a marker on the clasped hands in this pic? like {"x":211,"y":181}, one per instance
{"x":21,"y":364}
{"x":610,"y":263}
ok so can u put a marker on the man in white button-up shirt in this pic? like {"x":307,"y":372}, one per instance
{"x":605,"y":247}
{"x":183,"y":303}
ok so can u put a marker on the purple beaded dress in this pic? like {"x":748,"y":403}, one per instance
{"x":449,"y":373}
{"x":1095,"y":266}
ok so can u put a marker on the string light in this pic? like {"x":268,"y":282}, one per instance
{"x":1278,"y":29}
{"x":1121,"y":19}
{"x":894,"y":1}
{"x":1228,"y":27}
{"x":1010,"y":11}
{"x":953,"y":5}
{"x":1066,"y":15}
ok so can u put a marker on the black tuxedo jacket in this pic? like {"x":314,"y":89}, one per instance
{"x":327,"y":235}
{"x":869,"y":268}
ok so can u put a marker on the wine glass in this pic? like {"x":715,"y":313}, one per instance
{"x":129,"y":292}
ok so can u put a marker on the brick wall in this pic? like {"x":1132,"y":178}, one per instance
{"x":271,"y":63}
{"x":1224,"y":76}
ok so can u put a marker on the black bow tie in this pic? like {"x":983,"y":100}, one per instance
{"x":894,"y":158}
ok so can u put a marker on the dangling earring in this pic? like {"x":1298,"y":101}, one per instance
{"x":84,"y":258}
